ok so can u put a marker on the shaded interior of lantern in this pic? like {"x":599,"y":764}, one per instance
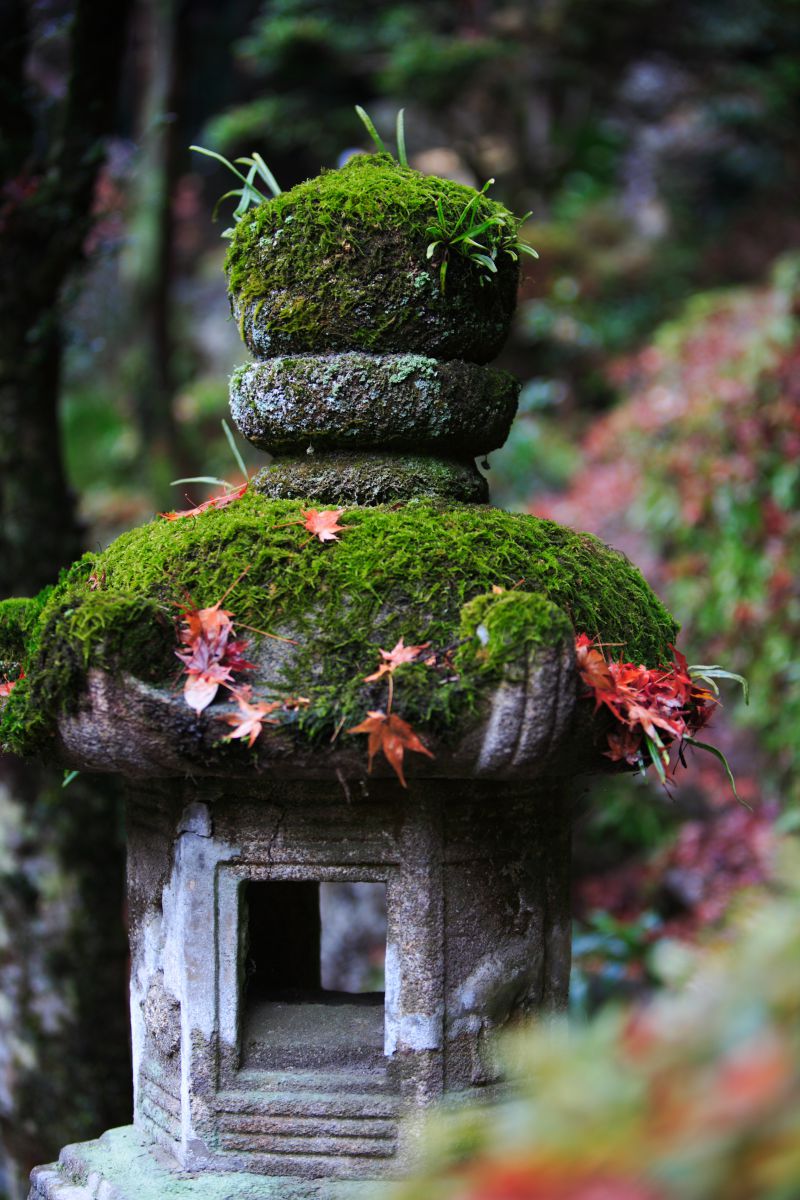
{"x":312,"y":982}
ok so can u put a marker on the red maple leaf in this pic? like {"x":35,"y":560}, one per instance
{"x":201,"y":687}
{"x":214,"y":502}
{"x":251,"y":717}
{"x":625,"y":745}
{"x":325,"y":524}
{"x":205,"y":630}
{"x":391,"y":736}
{"x":211,"y":653}
{"x":8,"y":685}
{"x":394,"y":658}
{"x":592,"y":666}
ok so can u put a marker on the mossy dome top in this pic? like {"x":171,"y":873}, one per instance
{"x":340,"y":262}
{"x":424,"y":573}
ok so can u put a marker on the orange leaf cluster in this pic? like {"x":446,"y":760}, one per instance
{"x":391,"y":736}
{"x":211,"y":653}
{"x":646,"y":703}
{"x":214,"y":502}
{"x":547,"y":1180}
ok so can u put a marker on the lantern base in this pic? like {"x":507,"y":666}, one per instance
{"x":124,"y":1165}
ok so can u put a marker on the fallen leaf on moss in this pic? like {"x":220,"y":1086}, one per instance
{"x":395,"y":658}
{"x":215,"y":502}
{"x":211,"y":653}
{"x":391,"y":736}
{"x":325,"y":524}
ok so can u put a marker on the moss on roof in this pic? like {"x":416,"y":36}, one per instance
{"x":397,"y":572}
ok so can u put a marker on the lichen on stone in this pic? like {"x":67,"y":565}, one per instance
{"x":339,"y":263}
{"x":387,"y":401}
{"x":397,"y":572}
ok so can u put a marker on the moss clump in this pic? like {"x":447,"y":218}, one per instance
{"x":497,"y":630}
{"x":339,"y":263}
{"x":359,"y":401}
{"x":397,"y":572}
{"x":18,"y":618}
{"x":342,"y":478}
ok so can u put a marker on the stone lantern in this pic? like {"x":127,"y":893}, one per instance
{"x":369,"y":387}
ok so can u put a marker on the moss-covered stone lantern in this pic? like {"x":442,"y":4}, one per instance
{"x":439,"y":626}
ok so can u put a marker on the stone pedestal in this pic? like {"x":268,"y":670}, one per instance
{"x":291,"y":1082}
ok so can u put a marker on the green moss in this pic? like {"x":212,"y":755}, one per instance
{"x":18,"y":618}
{"x":397,"y":572}
{"x":497,"y":630}
{"x":339,"y":263}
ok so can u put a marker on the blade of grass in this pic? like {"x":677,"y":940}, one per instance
{"x":371,"y":130}
{"x":227,"y":196}
{"x":714,"y":672}
{"x":234,"y":449}
{"x":401,"y":138}
{"x":266,"y":175}
{"x":721,"y":757}
{"x":204,"y":479}
{"x":658,"y":762}
{"x":220,"y":158}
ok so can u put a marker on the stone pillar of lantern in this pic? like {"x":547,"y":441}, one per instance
{"x":370,"y":388}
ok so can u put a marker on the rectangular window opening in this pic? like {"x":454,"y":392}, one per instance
{"x":312,"y":965}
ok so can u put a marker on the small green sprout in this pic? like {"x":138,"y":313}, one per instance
{"x":400,"y":134}
{"x":248,"y":194}
{"x":212,"y":479}
{"x":500,"y":234}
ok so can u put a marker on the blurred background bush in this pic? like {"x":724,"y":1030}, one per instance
{"x":657,"y":340}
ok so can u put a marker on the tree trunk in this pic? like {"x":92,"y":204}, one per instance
{"x":63,"y":1068}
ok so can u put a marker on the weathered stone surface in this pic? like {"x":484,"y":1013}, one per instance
{"x":343,"y":478}
{"x":362,"y":401}
{"x":309,"y":1083}
{"x":121,"y":1165}
{"x":524,"y":727}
